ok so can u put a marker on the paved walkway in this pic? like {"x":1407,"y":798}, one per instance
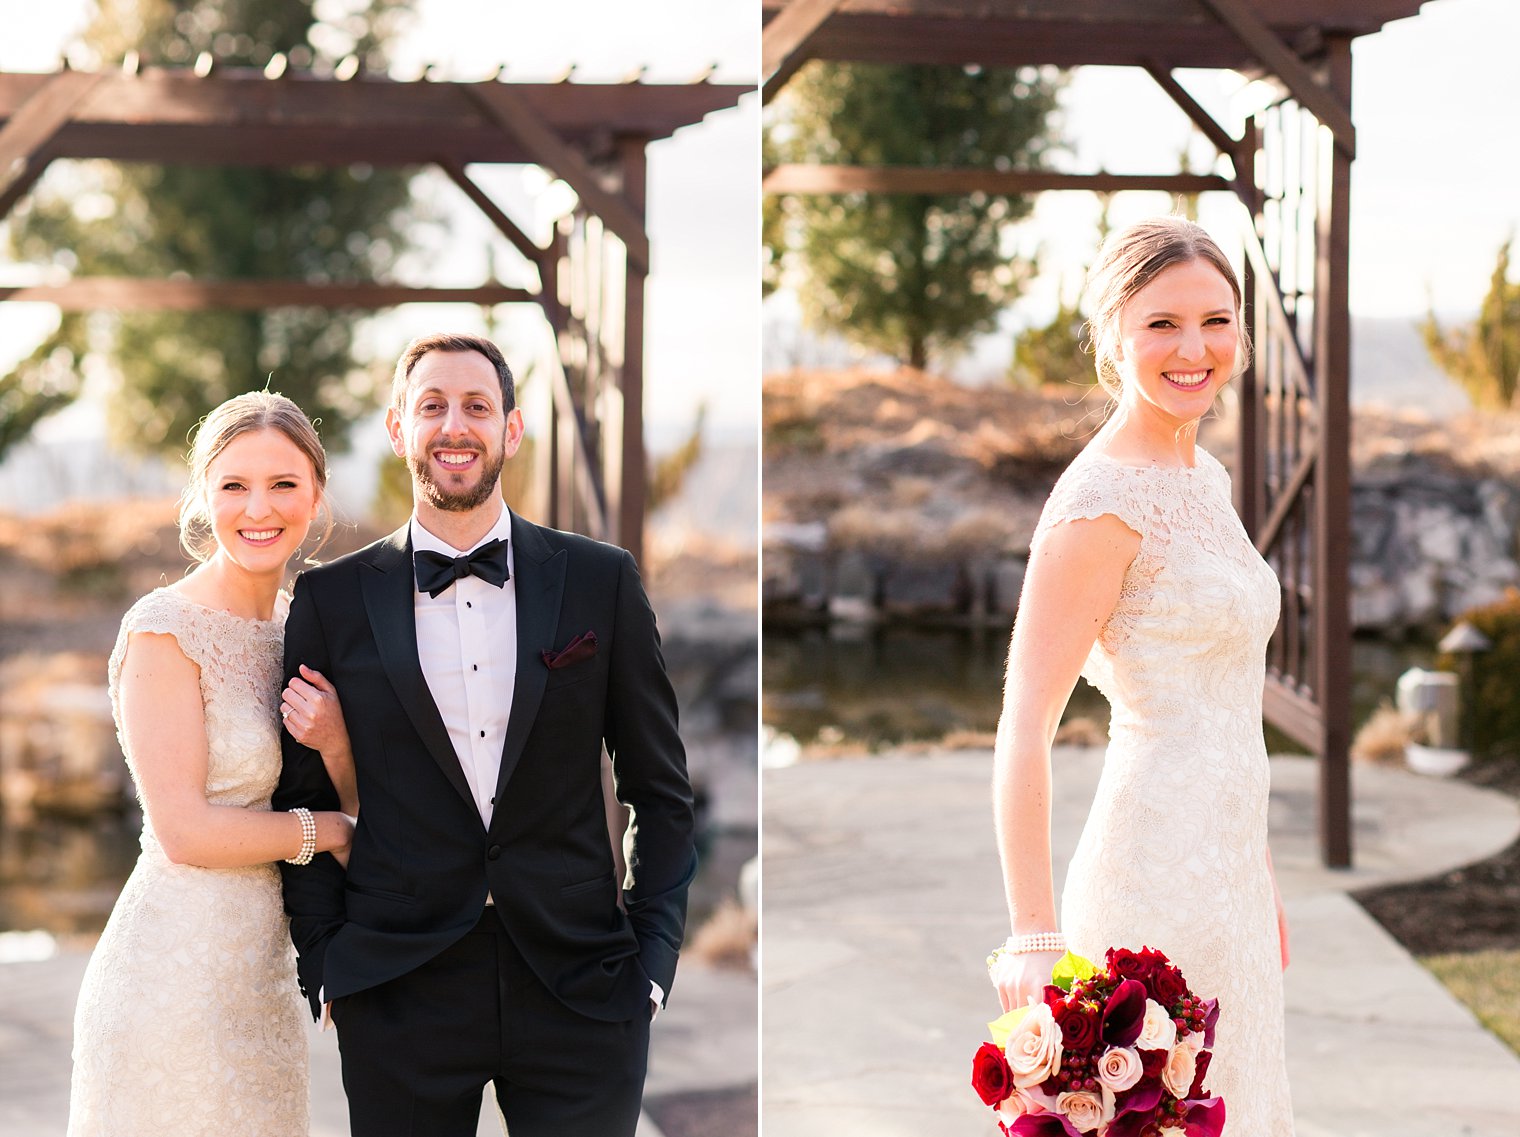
{"x":883,"y":897}
{"x":703,"y":1055}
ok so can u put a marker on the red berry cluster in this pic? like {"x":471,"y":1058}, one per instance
{"x":1190,"y":1014}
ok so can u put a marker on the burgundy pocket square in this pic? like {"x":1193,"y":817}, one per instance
{"x":581,"y":647}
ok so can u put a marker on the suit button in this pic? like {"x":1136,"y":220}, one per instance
{"x":493,"y":852}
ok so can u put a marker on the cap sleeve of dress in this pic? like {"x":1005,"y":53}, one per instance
{"x":166,"y":613}
{"x":1090,"y":489}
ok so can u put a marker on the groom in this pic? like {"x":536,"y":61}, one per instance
{"x":479,"y":933}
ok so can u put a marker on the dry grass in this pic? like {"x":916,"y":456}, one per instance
{"x":1383,"y":737}
{"x":81,"y":535}
{"x":727,"y":939}
{"x":1489,"y":983}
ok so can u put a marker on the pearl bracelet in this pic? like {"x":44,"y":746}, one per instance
{"x":308,"y":837}
{"x":1024,"y":944}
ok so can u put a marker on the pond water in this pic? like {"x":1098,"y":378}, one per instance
{"x":879,"y":687}
{"x":62,"y":875}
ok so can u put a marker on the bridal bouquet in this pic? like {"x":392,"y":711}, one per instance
{"x":1117,"y":1052}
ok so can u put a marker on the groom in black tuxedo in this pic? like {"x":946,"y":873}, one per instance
{"x":480,"y":933}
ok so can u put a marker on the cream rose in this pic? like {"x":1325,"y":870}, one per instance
{"x":1015,"y":1106}
{"x":1193,"y":1040}
{"x":1157,"y":1031}
{"x":1177,"y":1074}
{"x":1120,"y":1068}
{"x":1034,"y":1047}
{"x":1087,"y":1111}
{"x":1173,"y":1131}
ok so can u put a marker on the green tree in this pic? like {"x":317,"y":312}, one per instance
{"x":1484,"y":356}
{"x":315,"y":224}
{"x":912,"y":275}
{"x":1053,"y":353}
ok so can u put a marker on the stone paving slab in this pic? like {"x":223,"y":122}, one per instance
{"x":883,"y":896}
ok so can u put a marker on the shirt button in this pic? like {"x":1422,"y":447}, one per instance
{"x":493,"y":853}
{"x":482,"y":734}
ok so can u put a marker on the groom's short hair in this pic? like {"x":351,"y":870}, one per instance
{"x":451,"y":341}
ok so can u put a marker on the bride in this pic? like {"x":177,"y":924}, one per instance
{"x":189,"y":1021}
{"x":1142,"y":580}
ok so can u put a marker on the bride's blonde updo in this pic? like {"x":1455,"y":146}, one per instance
{"x":1129,"y":260}
{"x":256,"y":410}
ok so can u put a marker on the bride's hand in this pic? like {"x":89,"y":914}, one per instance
{"x":314,"y":717}
{"x":1017,"y":977}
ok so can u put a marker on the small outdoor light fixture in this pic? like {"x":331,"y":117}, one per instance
{"x":1465,"y":641}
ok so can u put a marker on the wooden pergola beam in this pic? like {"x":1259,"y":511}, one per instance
{"x":131,"y":293}
{"x":783,"y":42}
{"x":1278,"y":58}
{"x":515,"y":116}
{"x":497,"y":216}
{"x":806,"y":179}
{"x":237,"y":117}
{"x":1223,"y":141}
{"x":34,"y":123}
{"x":22,"y":183}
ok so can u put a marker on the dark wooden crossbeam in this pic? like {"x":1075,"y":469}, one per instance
{"x":84,"y":294}
{"x":946,"y":180}
{"x":238,"y":117}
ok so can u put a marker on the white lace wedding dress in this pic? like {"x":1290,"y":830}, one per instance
{"x":189,"y":1021}
{"x":1174,"y":852}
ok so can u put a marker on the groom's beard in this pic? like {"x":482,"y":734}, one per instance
{"x":458,"y":501}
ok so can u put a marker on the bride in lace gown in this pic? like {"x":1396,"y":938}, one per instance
{"x":189,"y":1021}
{"x":1142,"y":580}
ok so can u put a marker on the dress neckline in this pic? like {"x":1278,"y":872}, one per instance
{"x":1203,"y":457}
{"x":281,"y":607}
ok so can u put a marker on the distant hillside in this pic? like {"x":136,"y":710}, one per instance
{"x":1390,"y":367}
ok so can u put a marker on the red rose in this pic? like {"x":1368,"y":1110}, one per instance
{"x":991,"y":1076}
{"x":1167,"y":986}
{"x":1079,"y":1026}
{"x":1125,"y":964}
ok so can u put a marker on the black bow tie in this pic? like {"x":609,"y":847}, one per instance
{"x":436,"y":572}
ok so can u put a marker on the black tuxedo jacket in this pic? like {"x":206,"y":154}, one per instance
{"x":422,"y":860}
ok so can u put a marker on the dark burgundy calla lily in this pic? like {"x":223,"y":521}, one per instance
{"x":1124,"y":1016}
{"x":1210,"y":1021}
{"x":1204,"y":1118}
{"x":1042,"y":1125}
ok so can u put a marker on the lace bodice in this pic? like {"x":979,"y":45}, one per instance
{"x":189,"y":1019}
{"x":240,"y":663}
{"x":1173,"y":855}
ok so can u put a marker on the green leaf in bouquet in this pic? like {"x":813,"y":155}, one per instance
{"x":1001,"y":1027}
{"x":1070,"y":970}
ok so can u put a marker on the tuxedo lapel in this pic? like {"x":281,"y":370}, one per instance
{"x":540,"y":583}
{"x":388,"y":586}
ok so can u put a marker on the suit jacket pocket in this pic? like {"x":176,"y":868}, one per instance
{"x":603,"y":881}
{"x":578,"y":672}
{"x":380,"y":893}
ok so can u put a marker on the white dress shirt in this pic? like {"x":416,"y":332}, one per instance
{"x":467,"y":646}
